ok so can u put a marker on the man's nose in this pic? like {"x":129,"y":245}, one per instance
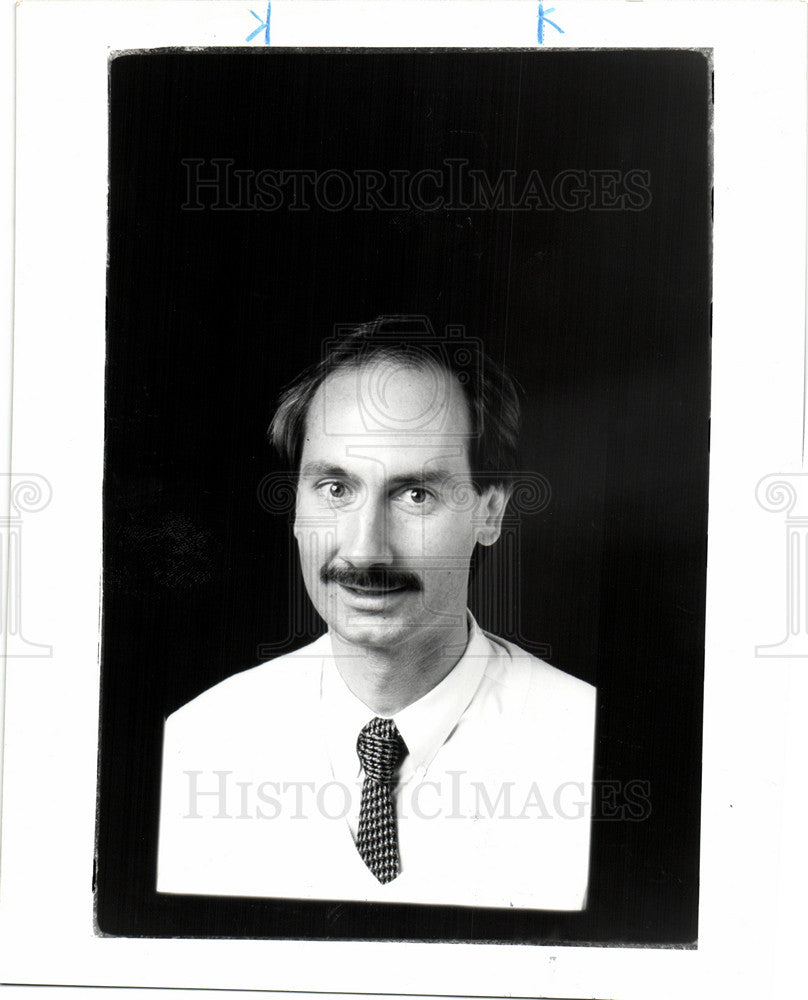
{"x":365,"y":537}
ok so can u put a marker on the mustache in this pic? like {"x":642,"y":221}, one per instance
{"x":373,"y":578}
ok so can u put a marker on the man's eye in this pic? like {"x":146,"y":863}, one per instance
{"x":416,"y":496}
{"x":334,"y":490}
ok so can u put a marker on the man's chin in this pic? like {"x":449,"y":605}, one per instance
{"x":371,"y":631}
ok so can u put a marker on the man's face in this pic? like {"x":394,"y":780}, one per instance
{"x":386,"y":516}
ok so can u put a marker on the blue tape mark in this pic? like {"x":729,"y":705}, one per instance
{"x":542,"y":18}
{"x":262,"y":25}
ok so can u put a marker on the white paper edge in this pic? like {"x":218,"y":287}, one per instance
{"x":752,"y":923}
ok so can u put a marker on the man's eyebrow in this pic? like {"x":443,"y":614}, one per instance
{"x":423,"y":477}
{"x":325,"y":469}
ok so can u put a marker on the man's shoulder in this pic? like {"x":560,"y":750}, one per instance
{"x":514,"y":667}
{"x":272,"y":685}
{"x":537,"y":708}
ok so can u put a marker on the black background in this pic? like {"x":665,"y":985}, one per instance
{"x":604,"y":317}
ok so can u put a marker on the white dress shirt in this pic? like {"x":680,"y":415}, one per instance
{"x":262,"y":785}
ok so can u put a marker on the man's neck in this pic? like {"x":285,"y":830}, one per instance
{"x":388,"y":680}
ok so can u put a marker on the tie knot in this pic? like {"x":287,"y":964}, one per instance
{"x":380,"y":749}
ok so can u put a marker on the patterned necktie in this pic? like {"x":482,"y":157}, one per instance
{"x":381,"y":749}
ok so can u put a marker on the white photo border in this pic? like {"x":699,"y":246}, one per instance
{"x":752,"y":924}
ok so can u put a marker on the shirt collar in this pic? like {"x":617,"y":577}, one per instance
{"x":425,"y":725}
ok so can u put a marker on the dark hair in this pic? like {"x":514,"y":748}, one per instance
{"x":490,"y":392}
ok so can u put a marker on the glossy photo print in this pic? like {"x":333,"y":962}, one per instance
{"x":407,"y":402}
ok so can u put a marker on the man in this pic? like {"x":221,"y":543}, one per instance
{"x":406,"y":755}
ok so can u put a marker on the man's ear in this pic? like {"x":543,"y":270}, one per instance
{"x":490,"y":512}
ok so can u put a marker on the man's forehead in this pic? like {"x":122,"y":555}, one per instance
{"x":391,"y":400}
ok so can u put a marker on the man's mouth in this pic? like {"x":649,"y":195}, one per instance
{"x":374,"y":591}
